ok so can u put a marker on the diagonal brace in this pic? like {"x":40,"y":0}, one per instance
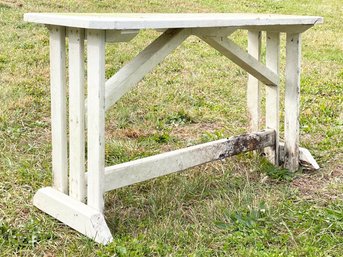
{"x":132,"y":172}
{"x":128,"y":76}
{"x":240,"y":57}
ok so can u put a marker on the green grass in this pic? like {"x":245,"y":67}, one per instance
{"x":242,"y":206}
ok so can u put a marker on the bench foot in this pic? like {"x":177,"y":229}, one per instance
{"x":305,"y":157}
{"x":73,"y":213}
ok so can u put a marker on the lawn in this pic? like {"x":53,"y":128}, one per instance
{"x":238,"y":207}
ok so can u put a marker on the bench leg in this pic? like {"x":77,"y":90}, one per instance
{"x":292,"y":98}
{"x":58,"y":109}
{"x":77,"y":183}
{"x":70,"y":209}
{"x":96,"y":118}
{"x":272,"y":94}
{"x":254,"y":87}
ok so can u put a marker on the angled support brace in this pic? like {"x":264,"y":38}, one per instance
{"x":128,"y":76}
{"x":132,"y":172}
{"x":240,"y":57}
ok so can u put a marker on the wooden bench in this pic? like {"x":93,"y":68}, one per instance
{"x":80,"y":204}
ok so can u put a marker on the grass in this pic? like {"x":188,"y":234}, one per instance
{"x":238,"y":207}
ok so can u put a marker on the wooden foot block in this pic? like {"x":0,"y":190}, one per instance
{"x":73,"y":213}
{"x":304,"y":156}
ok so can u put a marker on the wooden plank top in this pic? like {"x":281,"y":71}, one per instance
{"x":123,"y":21}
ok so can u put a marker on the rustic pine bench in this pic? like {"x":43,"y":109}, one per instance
{"x":76,"y":197}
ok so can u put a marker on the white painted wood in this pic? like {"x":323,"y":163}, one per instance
{"x":240,"y":57}
{"x":143,"y":63}
{"x":113,"y":36}
{"x":73,"y":213}
{"x":77,"y":184}
{"x":273,"y":93}
{"x":167,"y":20}
{"x":304,"y":156}
{"x":292,"y":101}
{"x":96,"y":118}
{"x":213,"y":28}
{"x":213,"y":32}
{"x":254,"y":87}
{"x":162,"y":164}
{"x":278,"y":28}
{"x":58,"y":108}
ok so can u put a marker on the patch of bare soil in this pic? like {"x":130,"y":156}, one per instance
{"x":11,"y":3}
{"x":326,"y":184}
{"x":194,"y":131}
{"x":187,"y":132}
